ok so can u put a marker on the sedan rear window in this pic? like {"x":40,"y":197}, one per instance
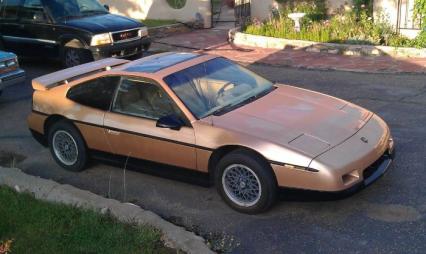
{"x":97,"y":93}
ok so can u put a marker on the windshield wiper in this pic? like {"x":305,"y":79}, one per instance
{"x":232,"y":106}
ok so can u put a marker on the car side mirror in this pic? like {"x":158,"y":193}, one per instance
{"x":170,"y":122}
{"x":106,"y":7}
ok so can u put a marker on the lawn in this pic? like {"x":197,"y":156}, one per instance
{"x":40,"y":227}
{"x":158,"y":22}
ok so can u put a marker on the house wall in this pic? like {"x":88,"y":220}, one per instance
{"x":388,"y":10}
{"x":160,"y":9}
{"x":261,"y":9}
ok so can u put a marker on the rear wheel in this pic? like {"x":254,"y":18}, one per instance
{"x":67,"y":146}
{"x":246,"y":182}
{"x":75,"y":56}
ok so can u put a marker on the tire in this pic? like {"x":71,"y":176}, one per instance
{"x":75,"y":156}
{"x":75,"y":56}
{"x":256,"y":172}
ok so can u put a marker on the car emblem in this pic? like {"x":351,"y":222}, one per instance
{"x":364,"y":139}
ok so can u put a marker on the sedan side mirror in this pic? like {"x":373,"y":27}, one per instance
{"x":106,"y":7}
{"x":170,"y":122}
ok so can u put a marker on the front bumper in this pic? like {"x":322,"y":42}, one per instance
{"x":359,"y":160}
{"x":11,"y":78}
{"x":121,"y":50}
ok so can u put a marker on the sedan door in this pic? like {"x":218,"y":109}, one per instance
{"x":132,"y":130}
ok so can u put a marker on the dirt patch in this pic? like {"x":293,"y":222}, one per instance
{"x":10,"y":159}
{"x":393,"y":213}
{"x":218,"y":242}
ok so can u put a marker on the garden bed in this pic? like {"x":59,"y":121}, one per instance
{"x":244,"y":39}
{"x":352,"y":30}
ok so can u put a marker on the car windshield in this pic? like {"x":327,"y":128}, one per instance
{"x":217,"y":86}
{"x":68,"y":9}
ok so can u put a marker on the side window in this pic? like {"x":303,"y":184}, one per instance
{"x":97,"y":93}
{"x":10,"y":9}
{"x":139,"y":98}
{"x":32,"y":11}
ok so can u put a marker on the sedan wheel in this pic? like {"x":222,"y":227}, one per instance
{"x":241,"y":185}
{"x":67,"y":146}
{"x":246,"y":182}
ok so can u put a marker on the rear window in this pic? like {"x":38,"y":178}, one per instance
{"x":97,"y":93}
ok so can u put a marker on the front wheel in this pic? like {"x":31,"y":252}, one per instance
{"x":75,"y":56}
{"x":67,"y":146}
{"x":246,"y":182}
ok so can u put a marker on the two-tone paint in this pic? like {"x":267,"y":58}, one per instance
{"x":311,"y":140}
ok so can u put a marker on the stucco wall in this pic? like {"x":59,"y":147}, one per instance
{"x":261,"y":9}
{"x":160,"y":9}
{"x":387,"y":9}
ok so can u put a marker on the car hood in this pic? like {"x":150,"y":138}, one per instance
{"x":6,"y":55}
{"x":299,"y":119}
{"x":103,"y":23}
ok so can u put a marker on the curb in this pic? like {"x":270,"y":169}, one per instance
{"x":48,"y":190}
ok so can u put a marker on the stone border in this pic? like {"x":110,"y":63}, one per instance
{"x":48,"y":190}
{"x":243,"y":39}
{"x":167,"y":30}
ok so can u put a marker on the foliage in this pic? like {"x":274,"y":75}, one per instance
{"x":41,"y":227}
{"x":420,"y":10}
{"x":350,"y":27}
{"x":176,"y":4}
{"x":401,"y":41}
{"x":158,"y":22}
{"x":361,"y":5}
{"x":341,"y":28}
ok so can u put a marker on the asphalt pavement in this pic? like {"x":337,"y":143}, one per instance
{"x":387,"y":217}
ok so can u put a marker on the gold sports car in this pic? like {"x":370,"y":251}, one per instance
{"x":207,"y":114}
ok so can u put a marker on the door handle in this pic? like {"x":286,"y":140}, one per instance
{"x":113,"y":132}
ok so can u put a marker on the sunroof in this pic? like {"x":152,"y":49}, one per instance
{"x":156,"y":63}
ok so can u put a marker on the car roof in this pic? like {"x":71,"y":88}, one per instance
{"x":158,"y":62}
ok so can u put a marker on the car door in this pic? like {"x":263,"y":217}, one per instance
{"x":132,"y":130}
{"x":90,"y":100}
{"x":9,"y":24}
{"x":34,"y":30}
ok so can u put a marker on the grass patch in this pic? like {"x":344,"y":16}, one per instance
{"x":158,"y":22}
{"x":41,"y":227}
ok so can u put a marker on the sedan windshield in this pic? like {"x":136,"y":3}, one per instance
{"x":68,"y":9}
{"x":217,"y":86}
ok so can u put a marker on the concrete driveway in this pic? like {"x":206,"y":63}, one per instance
{"x":387,"y":217}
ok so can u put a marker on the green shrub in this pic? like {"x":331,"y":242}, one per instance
{"x":401,"y":41}
{"x":349,"y":27}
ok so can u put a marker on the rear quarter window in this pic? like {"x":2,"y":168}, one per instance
{"x":97,"y":93}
